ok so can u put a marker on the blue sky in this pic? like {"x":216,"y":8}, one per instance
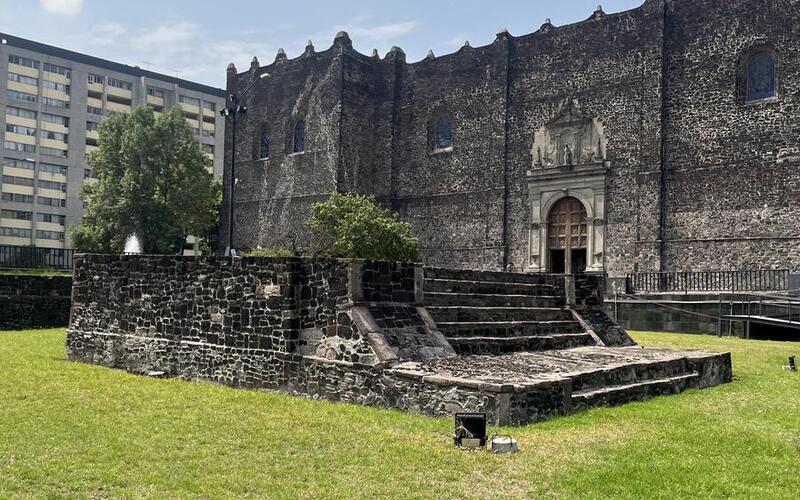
{"x":196,"y":39}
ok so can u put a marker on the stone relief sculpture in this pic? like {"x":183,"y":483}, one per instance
{"x":570,"y":138}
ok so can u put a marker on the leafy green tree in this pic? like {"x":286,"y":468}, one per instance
{"x":152,"y":180}
{"x":357,"y":227}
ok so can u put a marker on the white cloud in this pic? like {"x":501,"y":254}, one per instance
{"x":62,"y":7}
{"x":365,"y":34}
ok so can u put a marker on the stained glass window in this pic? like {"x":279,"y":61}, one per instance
{"x":444,"y":133}
{"x":299,"y":143}
{"x":761,"y":77}
{"x":263,"y":145}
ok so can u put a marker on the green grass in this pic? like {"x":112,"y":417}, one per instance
{"x":76,"y":430}
{"x":34,"y":272}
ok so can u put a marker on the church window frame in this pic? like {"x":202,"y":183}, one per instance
{"x":299,"y":137}
{"x":758,"y":77}
{"x":263,"y":144}
{"x":442,"y":136}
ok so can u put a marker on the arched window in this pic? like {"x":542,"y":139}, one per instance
{"x":263,"y":144}
{"x":299,"y":137}
{"x":761,"y":76}
{"x":443,"y":133}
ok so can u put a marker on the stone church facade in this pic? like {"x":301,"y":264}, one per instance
{"x":664,"y":138}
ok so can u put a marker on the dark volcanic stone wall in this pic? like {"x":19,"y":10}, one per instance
{"x":733,"y":168}
{"x":34,"y":301}
{"x":698,"y":179}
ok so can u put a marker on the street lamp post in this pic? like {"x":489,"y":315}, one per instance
{"x":234,"y":109}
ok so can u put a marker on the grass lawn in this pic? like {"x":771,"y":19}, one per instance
{"x":84,"y":431}
{"x":34,"y":272}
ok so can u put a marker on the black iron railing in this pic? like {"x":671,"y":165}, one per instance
{"x":16,"y":257}
{"x":765,"y":280}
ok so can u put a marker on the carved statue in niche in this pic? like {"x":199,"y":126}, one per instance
{"x":570,"y":138}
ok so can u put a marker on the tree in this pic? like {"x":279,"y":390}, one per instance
{"x":358,"y":227}
{"x":151,"y":180}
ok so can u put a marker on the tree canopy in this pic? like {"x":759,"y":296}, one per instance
{"x":358,"y":227}
{"x":152,"y":181}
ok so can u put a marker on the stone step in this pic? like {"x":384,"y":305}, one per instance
{"x":637,"y":391}
{"x":494,"y":276}
{"x":469,"y":314}
{"x":491,"y":300}
{"x":507,"y":328}
{"x":504,"y":345}
{"x":629,"y":373}
{"x":487,"y":287}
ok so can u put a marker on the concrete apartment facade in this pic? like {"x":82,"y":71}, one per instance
{"x":50,"y":107}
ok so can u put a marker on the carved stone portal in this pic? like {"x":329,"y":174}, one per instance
{"x":570,"y":138}
{"x":569,"y":161}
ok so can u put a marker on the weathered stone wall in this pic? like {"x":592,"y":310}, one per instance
{"x":733,"y":168}
{"x":696,"y":178}
{"x":34,"y":301}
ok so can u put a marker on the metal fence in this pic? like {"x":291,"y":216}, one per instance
{"x":16,"y":257}
{"x":765,"y":280}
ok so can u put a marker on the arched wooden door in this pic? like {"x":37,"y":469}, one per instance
{"x":567,"y":237}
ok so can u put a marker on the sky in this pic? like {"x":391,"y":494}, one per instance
{"x":195,"y":40}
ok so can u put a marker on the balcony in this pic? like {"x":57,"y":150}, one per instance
{"x":17,"y":223}
{"x":55,"y":94}
{"x":118,"y":92}
{"x":24,"y":139}
{"x":115,"y":106}
{"x":155,"y":101}
{"x":52,"y":193}
{"x":18,"y":120}
{"x":50,"y":243}
{"x":95,"y":88}
{"x":23,"y":87}
{"x":94,"y":102}
{"x":23,"y":70}
{"x":51,"y":143}
{"x":92,"y":135}
{"x":54,"y":127}
{"x":13,"y":188}
{"x":18,"y":172}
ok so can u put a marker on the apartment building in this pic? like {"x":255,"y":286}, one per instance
{"x":52,"y":104}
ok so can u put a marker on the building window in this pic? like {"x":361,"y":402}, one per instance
{"x":58,"y":120}
{"x":155,"y":92}
{"x":54,"y":136}
{"x":189,"y":100}
{"x":60,"y":153}
{"x":96,"y":79}
{"x":58,"y":70}
{"x":94,"y":111}
{"x":16,"y":214}
{"x":299,"y":137}
{"x":16,"y":163}
{"x":51,"y":218}
{"x":28,"y":80}
{"x":761,"y":76}
{"x":51,"y":202}
{"x":443,"y":133}
{"x":23,"y":61}
{"x":20,"y":96}
{"x":56,"y":86}
{"x":208,"y":148}
{"x":15,"y":232}
{"x":51,"y":168}
{"x":56,"y":103}
{"x":209,"y":106}
{"x":18,"y":181}
{"x":91,"y":126}
{"x":120,"y":84}
{"x":18,"y":146}
{"x":88,"y":174}
{"x":22,"y":113}
{"x":49,"y":235}
{"x":19,"y":129}
{"x":17,"y":198}
{"x":263,"y":144}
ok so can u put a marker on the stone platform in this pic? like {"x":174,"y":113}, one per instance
{"x":542,"y":384}
{"x":520,"y":347}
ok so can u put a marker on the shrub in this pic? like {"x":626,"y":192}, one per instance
{"x":357,"y":227}
{"x":270,"y":252}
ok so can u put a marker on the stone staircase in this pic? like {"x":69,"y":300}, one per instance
{"x":484,"y":312}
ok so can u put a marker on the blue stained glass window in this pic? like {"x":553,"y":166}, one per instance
{"x":263,"y":145}
{"x":761,"y":77}
{"x":444,"y":133}
{"x":299,"y":143}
